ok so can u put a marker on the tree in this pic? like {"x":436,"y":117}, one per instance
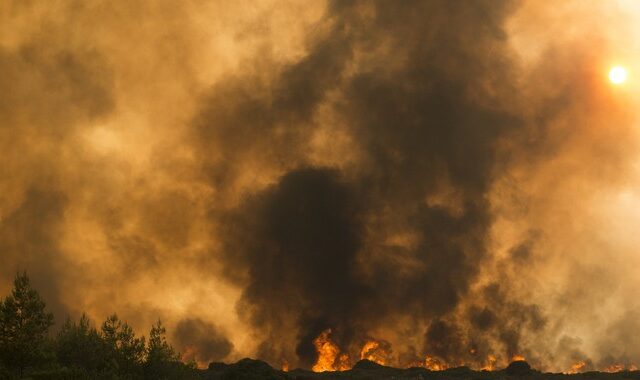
{"x":127,"y":351}
{"x":78,"y":345}
{"x":162,"y":360}
{"x":23,"y":326}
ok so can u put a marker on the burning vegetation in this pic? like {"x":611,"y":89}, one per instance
{"x":330,"y":357}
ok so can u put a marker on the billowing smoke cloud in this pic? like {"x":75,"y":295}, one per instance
{"x":428,"y":144}
{"x":301,"y":256}
{"x":201,"y":341}
{"x":447,"y":178}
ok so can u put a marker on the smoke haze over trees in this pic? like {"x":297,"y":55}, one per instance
{"x":79,"y":350}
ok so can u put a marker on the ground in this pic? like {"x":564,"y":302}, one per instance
{"x":366,"y":370}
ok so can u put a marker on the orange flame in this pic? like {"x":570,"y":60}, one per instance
{"x":490,"y":364}
{"x":617,"y":367}
{"x":576,"y":367}
{"x":517,"y":358}
{"x":285,"y":365}
{"x":344,"y":363}
{"x":329,"y":358}
{"x":373,"y":351}
{"x":434,"y":364}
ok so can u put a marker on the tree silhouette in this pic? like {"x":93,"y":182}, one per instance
{"x":23,"y":326}
{"x":78,"y":345}
{"x":127,"y":351}
{"x":162,"y":360}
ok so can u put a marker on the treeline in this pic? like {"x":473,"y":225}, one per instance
{"x":79,"y":350}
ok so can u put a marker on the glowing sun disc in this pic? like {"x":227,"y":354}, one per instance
{"x":618,"y":75}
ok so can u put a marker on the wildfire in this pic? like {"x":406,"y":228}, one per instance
{"x":490,"y":364}
{"x":189,"y":355}
{"x":344,"y":363}
{"x":329,"y":357}
{"x":285,"y":365}
{"x":617,"y":367}
{"x":332,"y":358}
{"x":577,"y":367}
{"x":373,"y":351}
{"x":434,"y":364}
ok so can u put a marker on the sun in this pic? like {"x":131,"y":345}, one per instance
{"x":618,"y":75}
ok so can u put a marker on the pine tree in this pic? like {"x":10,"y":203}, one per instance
{"x":162,"y":361}
{"x":23,"y":326}
{"x":79,"y":345}
{"x":159,"y":349}
{"x":127,"y":350}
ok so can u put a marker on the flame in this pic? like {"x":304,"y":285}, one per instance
{"x":344,"y":363}
{"x":373,"y":351}
{"x":490,"y":364}
{"x":285,"y":365}
{"x":190,"y":355}
{"x":331,"y":358}
{"x":434,"y":364}
{"x":617,"y":367}
{"x":576,"y":367}
{"x":329,"y":354}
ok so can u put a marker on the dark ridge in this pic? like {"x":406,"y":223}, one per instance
{"x":368,"y":365}
{"x":518,"y":368}
{"x":245,"y":369}
{"x":462,"y":370}
{"x":217,"y":366}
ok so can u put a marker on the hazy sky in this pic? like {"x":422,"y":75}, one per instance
{"x":455,"y":179}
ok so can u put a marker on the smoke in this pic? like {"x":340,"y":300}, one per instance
{"x":451,"y":179}
{"x":427,"y":145}
{"x":202,"y":341}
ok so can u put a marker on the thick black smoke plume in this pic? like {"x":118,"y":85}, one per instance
{"x":313,"y":249}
